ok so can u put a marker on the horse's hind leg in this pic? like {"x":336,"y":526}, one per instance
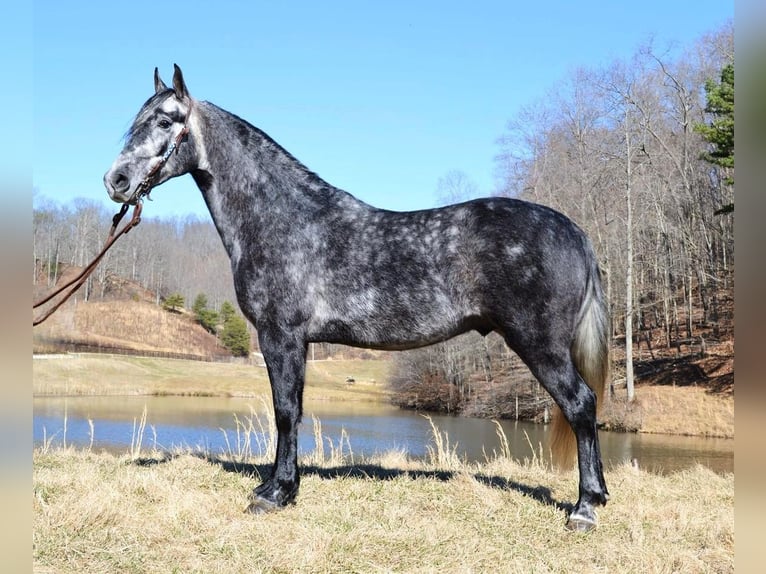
{"x":285,"y":357}
{"x":557,"y":374}
{"x":580,"y":413}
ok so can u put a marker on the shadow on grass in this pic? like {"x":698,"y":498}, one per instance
{"x":539,"y":493}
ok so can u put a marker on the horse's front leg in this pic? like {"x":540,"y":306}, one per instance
{"x":285,"y":356}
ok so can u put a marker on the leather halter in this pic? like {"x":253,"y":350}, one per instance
{"x":145,"y":187}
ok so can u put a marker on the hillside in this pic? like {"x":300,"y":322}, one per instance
{"x":127,"y":326}
{"x":705,"y":359}
{"x":123,"y":319}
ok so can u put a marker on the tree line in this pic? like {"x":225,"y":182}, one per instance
{"x":181,"y":255}
{"x":639,"y":153}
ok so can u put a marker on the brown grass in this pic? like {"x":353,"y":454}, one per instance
{"x":686,"y":410}
{"x":690,"y":410}
{"x":96,"y":512}
{"x":93,"y":374}
{"x":130,"y":325}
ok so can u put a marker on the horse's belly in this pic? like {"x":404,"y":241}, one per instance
{"x":382,"y":336}
{"x":391,"y":323}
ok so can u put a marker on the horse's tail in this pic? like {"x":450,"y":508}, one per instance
{"x":590,"y":354}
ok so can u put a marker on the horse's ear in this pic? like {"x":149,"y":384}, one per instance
{"x":159,"y":85}
{"x":178,"y":83}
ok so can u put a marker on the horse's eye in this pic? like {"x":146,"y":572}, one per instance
{"x":165,"y":124}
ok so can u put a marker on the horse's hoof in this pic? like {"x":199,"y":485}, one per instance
{"x":261,"y":506}
{"x":581,"y":524}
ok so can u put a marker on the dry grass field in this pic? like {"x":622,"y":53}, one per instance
{"x":183,"y":512}
{"x":686,"y":410}
{"x":660,"y":409}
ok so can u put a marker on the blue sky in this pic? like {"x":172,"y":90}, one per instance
{"x":379,"y":98}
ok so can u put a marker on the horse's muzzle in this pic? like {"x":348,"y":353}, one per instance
{"x":117,"y":185}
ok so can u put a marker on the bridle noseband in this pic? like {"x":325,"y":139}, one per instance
{"x":145,"y":187}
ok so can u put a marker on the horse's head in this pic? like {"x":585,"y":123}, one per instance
{"x":154,"y":149}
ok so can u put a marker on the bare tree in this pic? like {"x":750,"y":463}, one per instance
{"x":455,"y":186}
{"x":614,"y":149}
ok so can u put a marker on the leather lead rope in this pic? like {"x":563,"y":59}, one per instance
{"x":74,"y":284}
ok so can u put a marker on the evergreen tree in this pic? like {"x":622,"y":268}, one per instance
{"x":173,"y":303}
{"x":208,"y":318}
{"x":227,"y":310}
{"x":720,"y":132}
{"x":200,"y":303}
{"x":235,"y":336}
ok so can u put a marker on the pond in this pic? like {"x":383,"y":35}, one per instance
{"x":221,"y":425}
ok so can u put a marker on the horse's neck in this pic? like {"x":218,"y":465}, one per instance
{"x":249,"y":182}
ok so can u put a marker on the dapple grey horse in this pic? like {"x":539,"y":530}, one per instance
{"x":312,"y":263}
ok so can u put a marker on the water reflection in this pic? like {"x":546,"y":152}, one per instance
{"x":211,"y":423}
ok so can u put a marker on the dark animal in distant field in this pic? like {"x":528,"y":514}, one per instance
{"x":312,"y":263}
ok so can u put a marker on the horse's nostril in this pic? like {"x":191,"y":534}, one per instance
{"x":120,"y":182}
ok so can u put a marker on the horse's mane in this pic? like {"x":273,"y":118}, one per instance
{"x":310,"y":176}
